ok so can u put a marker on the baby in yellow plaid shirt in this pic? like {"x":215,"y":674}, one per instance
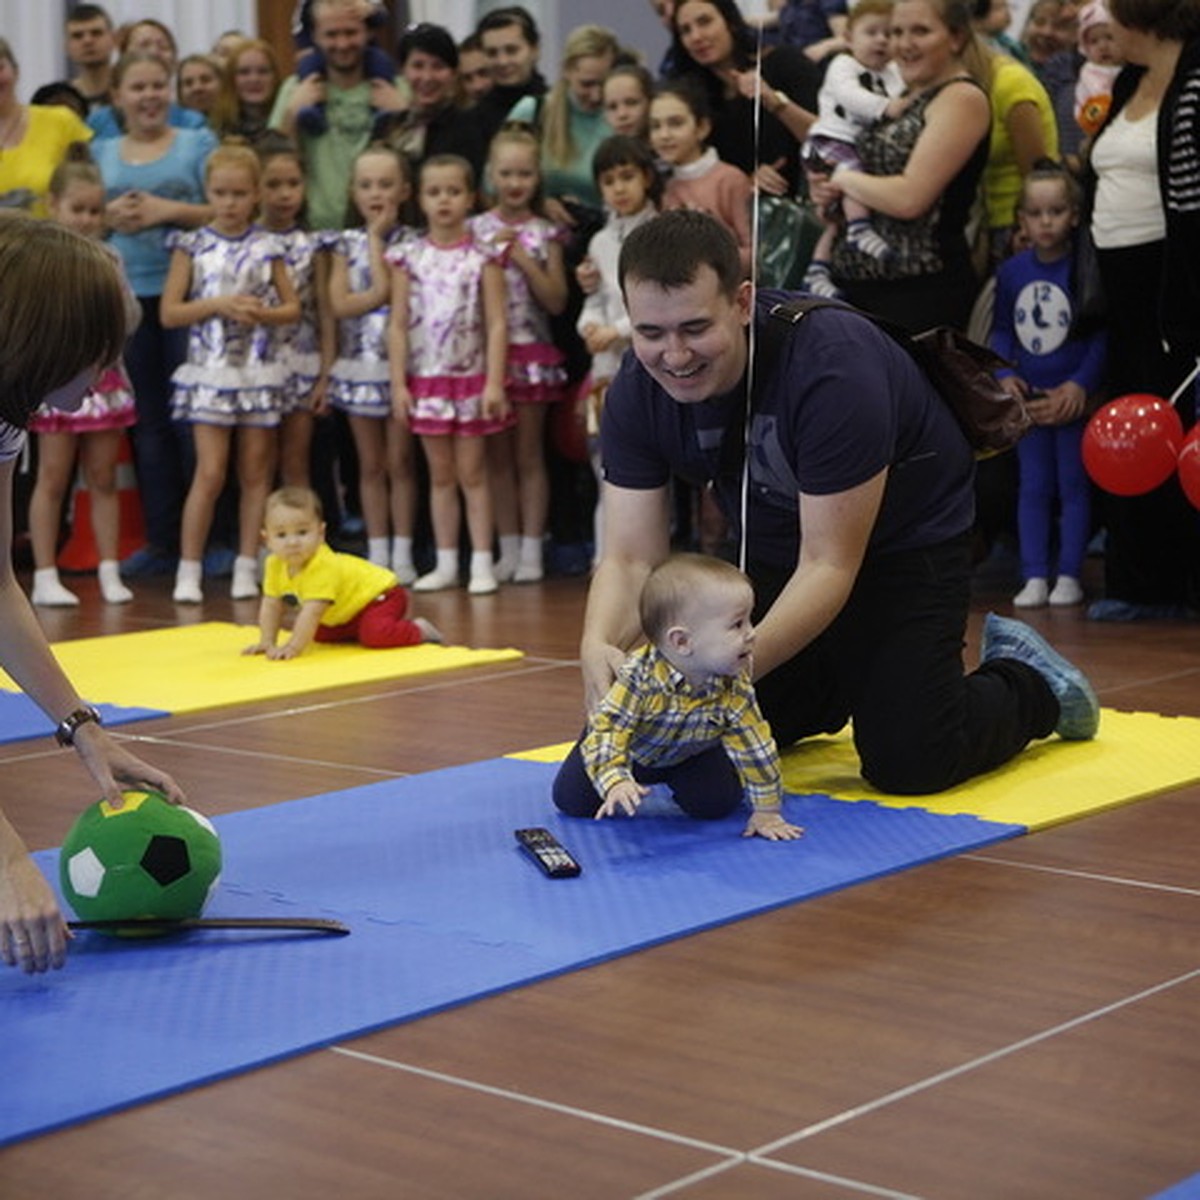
{"x":682,"y":710}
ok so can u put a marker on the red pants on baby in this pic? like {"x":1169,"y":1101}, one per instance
{"x":381,"y":623}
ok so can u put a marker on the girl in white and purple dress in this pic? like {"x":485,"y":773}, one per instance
{"x":360,"y":379}
{"x":448,"y":340}
{"x":536,"y":283}
{"x":227,"y":283}
{"x":306,"y":347}
{"x":93,"y":432}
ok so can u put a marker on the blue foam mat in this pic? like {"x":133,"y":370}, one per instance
{"x":1185,"y":1189}
{"x":443,"y":907}
{"x":20,"y":718}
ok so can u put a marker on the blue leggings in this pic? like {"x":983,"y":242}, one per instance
{"x":1051,"y":465}
{"x":706,"y":786}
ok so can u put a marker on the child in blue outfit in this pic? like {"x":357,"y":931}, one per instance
{"x":1055,"y":373}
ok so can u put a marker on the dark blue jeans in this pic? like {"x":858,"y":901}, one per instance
{"x":706,"y":785}
{"x":162,"y":449}
{"x":892,"y":661}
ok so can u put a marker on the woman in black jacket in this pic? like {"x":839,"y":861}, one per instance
{"x":1145,"y":220}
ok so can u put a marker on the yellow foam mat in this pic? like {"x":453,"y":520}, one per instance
{"x":189,"y":667}
{"x":1135,"y":755}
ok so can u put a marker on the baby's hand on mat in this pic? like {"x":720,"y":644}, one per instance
{"x":770,"y":824}
{"x":622,"y":797}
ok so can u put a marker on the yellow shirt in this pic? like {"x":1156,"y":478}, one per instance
{"x":1013,"y":83}
{"x":25,"y":169}
{"x":347,"y":582}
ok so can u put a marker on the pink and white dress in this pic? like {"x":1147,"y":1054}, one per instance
{"x":536,"y":368}
{"x":110,"y":403}
{"x":447,"y":365}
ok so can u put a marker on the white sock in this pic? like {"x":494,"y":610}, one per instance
{"x":190,"y":570}
{"x":483,"y":575}
{"x":187,"y":582}
{"x":111,"y":588}
{"x":245,"y":577}
{"x":529,"y":568}
{"x":379,"y":551}
{"x":48,"y":589}
{"x":402,"y":548}
{"x":510,"y":547}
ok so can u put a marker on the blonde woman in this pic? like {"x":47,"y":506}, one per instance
{"x":570,"y":121}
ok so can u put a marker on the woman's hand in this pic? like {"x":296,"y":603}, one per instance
{"x":124,"y":214}
{"x":822,"y":190}
{"x":747,"y":84}
{"x":33,"y":935}
{"x":114,"y":767}
{"x":770,"y":180}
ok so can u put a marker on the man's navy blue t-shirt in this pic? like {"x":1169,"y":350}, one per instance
{"x":838,"y":403}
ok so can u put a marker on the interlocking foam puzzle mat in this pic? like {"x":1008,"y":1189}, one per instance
{"x":157,"y":672}
{"x":445,"y":909}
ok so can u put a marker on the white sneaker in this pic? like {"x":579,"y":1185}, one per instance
{"x":49,"y":593}
{"x":1067,"y":591}
{"x":1034,"y":594}
{"x":435,"y":581}
{"x":505,"y":569}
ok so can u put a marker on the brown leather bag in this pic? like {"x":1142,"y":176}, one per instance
{"x":961,"y":370}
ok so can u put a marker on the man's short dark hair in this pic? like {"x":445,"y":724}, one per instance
{"x":670,"y":249}
{"x":88,"y":12}
{"x":513,"y":14}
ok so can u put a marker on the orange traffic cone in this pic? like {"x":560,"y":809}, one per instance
{"x":79,"y":553}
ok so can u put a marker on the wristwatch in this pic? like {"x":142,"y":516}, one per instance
{"x":64,"y":732}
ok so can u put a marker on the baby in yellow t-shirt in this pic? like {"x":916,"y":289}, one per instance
{"x":339,"y":597}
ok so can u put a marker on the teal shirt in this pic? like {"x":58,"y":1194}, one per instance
{"x":588,"y":130}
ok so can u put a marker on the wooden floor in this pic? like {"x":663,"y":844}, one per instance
{"x":1018,"y":1023}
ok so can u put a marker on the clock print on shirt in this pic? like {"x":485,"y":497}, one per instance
{"x":1042,"y":317}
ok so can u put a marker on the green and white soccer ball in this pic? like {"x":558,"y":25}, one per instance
{"x":149,"y":858}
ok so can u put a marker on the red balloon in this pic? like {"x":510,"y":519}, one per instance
{"x":1189,"y":466}
{"x":1131,"y":445}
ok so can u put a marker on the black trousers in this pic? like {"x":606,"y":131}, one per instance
{"x":1152,"y":553}
{"x":892,"y":661}
{"x":707,"y":785}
